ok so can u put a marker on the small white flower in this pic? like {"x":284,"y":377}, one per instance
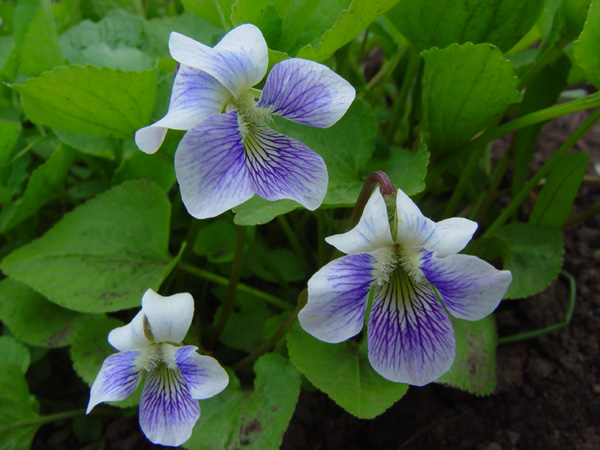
{"x":230,"y":153}
{"x":410,"y":336}
{"x":176,"y":376}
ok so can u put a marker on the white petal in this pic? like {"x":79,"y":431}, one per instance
{"x":130,"y":336}
{"x":239,"y":61}
{"x":450,"y":236}
{"x":306,"y":92}
{"x":118,"y":378}
{"x":413,"y":227}
{"x":371,"y":232}
{"x":337,"y":298}
{"x":167,"y":411}
{"x":469,"y":287}
{"x":204,"y":376}
{"x":196,"y":95}
{"x":169,"y":317}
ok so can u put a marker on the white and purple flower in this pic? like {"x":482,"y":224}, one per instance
{"x":229,"y":152}
{"x":416,"y":277}
{"x":176,"y":377}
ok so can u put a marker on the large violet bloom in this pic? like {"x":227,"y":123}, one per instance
{"x":409,"y":333}
{"x":176,"y":376}
{"x":229,"y":152}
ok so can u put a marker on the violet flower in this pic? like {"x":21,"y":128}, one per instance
{"x":417,"y":279}
{"x":176,"y":377}
{"x":229,"y":152}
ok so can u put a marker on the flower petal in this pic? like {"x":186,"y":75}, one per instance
{"x":282,"y":167}
{"x":211,"y":168}
{"x":130,"y":336}
{"x":469,"y":287}
{"x":196,"y":95}
{"x":413,"y":227}
{"x":204,"y":376}
{"x":371,"y":232}
{"x":167,"y":411}
{"x":169,"y":317}
{"x":410,"y":336}
{"x":337,"y":298}
{"x":239,"y":61}
{"x":119,"y":376}
{"x":450,"y":236}
{"x":306,"y":92}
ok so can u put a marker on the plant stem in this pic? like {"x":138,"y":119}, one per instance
{"x":42,"y":420}
{"x":542,"y":61}
{"x":234,"y":278}
{"x":218,"y":279}
{"x":459,"y":190}
{"x":544,"y":170}
{"x":583,"y":216}
{"x":292,"y":239}
{"x":591,"y":101}
{"x":484,"y":202}
{"x":551,"y":328}
{"x":273,"y":340}
{"x":24,"y":151}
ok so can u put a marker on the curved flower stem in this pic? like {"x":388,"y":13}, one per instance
{"x":273,"y":340}
{"x":234,"y":278}
{"x":387,"y":188}
{"x":218,"y":279}
{"x":557,"y":326}
{"x":477,"y":144}
{"x":544,"y":170}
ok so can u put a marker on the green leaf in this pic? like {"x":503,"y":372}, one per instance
{"x":346,"y":147}
{"x":97,"y":9}
{"x":103,"y":255}
{"x":157,"y":31}
{"x":13,"y":352}
{"x":45,"y":183}
{"x":254,"y":420}
{"x":216,"y":241}
{"x":216,"y":12}
{"x":288,"y":263}
{"x":474,"y":368}
{"x":262,"y":13}
{"x":101,"y":102}
{"x":40,"y":50}
{"x":537,"y":254}
{"x":465,"y":87}
{"x":22,"y":310}
{"x":245,"y":323}
{"x":137,"y":165}
{"x":90,"y":348}
{"x":349,"y":24}
{"x":344,"y":373}
{"x":16,"y":414}
{"x":439,"y":23}
{"x":90,"y":145}
{"x":587,"y":48}
{"x":406,"y":168}
{"x":9,"y":134}
{"x":555,"y":201}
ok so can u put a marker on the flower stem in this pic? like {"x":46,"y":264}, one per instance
{"x":217,"y":279}
{"x":583,"y":216}
{"x":273,"y":340}
{"x":557,"y":326}
{"x":544,"y":170}
{"x":459,"y":190}
{"x":234,"y":278}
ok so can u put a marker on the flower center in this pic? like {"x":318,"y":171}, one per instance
{"x":160,"y":355}
{"x":248,"y":113}
{"x":396,"y":257}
